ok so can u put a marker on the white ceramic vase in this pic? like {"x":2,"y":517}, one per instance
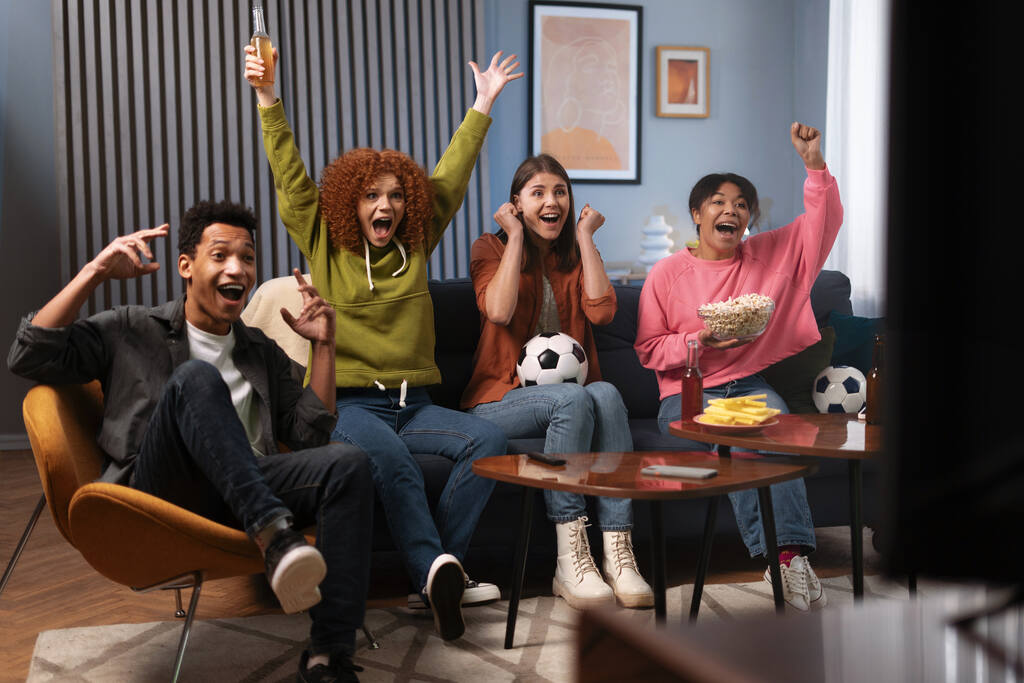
{"x":656,"y":245}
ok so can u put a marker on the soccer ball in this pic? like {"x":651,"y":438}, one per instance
{"x":551,"y":358}
{"x":840,"y":389}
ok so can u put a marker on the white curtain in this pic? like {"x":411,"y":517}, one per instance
{"x":856,"y":141}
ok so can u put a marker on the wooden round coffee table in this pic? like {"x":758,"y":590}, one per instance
{"x":822,"y":435}
{"x":618,"y":475}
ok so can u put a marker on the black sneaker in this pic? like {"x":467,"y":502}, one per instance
{"x":295,"y":570}
{"x":445,"y":584}
{"x":340,"y":669}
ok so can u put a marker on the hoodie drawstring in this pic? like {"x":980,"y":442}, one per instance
{"x":366,"y":258}
{"x":401,"y":250}
{"x":402,"y":392}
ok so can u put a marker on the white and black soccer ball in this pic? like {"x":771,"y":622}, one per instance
{"x":551,"y":358}
{"x":840,"y":389}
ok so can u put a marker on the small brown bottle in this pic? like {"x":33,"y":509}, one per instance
{"x":874,"y":392}
{"x":261,"y":41}
{"x":692,"y":393}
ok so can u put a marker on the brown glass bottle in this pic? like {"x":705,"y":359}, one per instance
{"x":261,"y":41}
{"x":692,"y":394}
{"x":874,"y":392}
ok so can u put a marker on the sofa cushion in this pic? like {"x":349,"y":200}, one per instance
{"x":456,"y":332}
{"x":793,"y":377}
{"x":619,"y":364}
{"x":855,"y":340}
{"x":830,"y":292}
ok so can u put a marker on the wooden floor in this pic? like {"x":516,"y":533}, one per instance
{"x":52,"y":587}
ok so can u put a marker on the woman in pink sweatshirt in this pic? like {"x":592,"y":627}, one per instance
{"x":782,"y":264}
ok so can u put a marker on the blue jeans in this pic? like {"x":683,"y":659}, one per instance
{"x":793,"y":525}
{"x":373,"y":420}
{"x":196,"y":455}
{"x":572,"y":419}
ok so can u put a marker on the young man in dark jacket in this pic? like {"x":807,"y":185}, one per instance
{"x":196,"y":402}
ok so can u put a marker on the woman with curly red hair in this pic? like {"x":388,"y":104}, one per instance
{"x":367,"y":232}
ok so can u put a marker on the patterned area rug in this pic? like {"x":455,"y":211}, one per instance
{"x":267,"y":648}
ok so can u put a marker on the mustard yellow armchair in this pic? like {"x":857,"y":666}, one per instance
{"x":128,"y":536}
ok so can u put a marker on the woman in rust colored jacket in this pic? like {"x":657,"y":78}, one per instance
{"x":541,"y":273}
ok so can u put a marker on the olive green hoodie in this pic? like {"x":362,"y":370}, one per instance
{"x":385,"y":317}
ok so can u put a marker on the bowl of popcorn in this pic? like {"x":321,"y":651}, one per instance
{"x":742,"y":317}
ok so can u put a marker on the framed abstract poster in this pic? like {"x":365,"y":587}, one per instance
{"x":683,"y":81}
{"x":585,"y":90}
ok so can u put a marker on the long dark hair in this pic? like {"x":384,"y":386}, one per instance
{"x":565,"y":246}
{"x":709,"y":184}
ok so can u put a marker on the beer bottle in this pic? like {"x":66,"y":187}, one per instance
{"x":692,"y":394}
{"x":874,"y":393}
{"x":261,"y":41}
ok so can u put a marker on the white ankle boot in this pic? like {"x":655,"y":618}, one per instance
{"x":621,"y":572}
{"x":576,"y":576}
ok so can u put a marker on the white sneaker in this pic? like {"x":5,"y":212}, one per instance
{"x":475,"y":593}
{"x":815,"y":593}
{"x":794,"y":585}
{"x":445,"y":584}
{"x":576,"y":577}
{"x":621,"y":573}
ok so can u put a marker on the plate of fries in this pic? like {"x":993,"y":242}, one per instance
{"x":742,"y":414}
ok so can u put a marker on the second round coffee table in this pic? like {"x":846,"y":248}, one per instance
{"x":618,"y":475}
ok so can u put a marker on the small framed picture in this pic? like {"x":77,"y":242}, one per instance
{"x":585,"y":95}
{"x":683,"y":81}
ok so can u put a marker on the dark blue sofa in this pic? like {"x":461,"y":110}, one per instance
{"x":457,"y":330}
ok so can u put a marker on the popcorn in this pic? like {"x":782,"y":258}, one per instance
{"x":737,"y":318}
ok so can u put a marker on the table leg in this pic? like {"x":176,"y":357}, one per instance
{"x":705,"y":556}
{"x":857,"y":529}
{"x":658,"y":561}
{"x":764,"y":497}
{"x":519,"y":565}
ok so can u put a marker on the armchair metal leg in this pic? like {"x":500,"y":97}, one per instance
{"x":195,"y":580}
{"x":178,"y":611}
{"x":186,"y":629}
{"x":21,"y":544}
{"x":372,"y":642}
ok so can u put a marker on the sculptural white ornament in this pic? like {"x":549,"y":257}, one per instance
{"x":656,"y":245}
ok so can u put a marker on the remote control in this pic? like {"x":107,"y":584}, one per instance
{"x":545,"y":458}
{"x":677,"y":471}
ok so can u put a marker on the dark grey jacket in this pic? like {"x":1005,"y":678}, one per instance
{"x":132,"y":351}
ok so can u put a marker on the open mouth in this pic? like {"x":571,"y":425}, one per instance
{"x":549,"y":218}
{"x":231,"y":292}
{"x":727,"y":228}
{"x":381,"y":227}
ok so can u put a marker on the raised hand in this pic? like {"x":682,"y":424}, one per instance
{"x":590,"y":220}
{"x":490,"y":83}
{"x":122,"y":258}
{"x":254,"y":69}
{"x":807,"y":143}
{"x":507,"y":218}
{"x":315,"y":321}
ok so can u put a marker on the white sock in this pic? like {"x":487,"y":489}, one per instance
{"x":266,"y":534}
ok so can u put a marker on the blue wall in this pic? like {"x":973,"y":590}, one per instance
{"x":768,"y":68}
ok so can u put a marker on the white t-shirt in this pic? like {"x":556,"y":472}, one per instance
{"x":216,"y":350}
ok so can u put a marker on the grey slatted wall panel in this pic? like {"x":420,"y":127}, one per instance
{"x":153,"y":115}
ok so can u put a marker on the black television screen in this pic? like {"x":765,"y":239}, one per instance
{"x":954,"y":384}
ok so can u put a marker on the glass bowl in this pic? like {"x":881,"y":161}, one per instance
{"x":739,"y":318}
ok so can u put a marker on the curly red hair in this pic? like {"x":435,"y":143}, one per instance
{"x":345,"y":180}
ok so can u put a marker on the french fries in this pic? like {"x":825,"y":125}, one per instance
{"x":743,"y":410}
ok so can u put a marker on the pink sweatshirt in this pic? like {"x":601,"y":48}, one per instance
{"x":781,"y":263}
